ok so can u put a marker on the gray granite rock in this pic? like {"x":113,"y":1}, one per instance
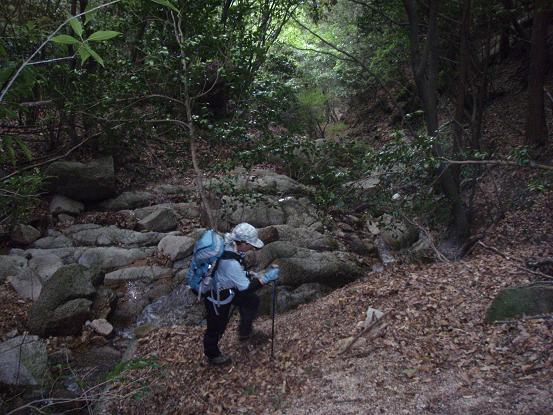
{"x":147,"y":273}
{"x":86,"y":182}
{"x":108,"y":258}
{"x":97,"y":235}
{"x":127,"y":200}
{"x":11,"y":265}
{"x":62,"y":204}
{"x":24,"y":234}
{"x":24,"y":361}
{"x":161,"y":220}
{"x":176,"y":247}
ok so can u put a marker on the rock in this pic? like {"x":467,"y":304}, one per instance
{"x":366,"y":184}
{"x":127,"y":200}
{"x":62,"y":204}
{"x":52,"y":242}
{"x":24,"y":234}
{"x":96,"y":235}
{"x":161,"y":220}
{"x":108,"y":258}
{"x":258,"y":180}
{"x":422,"y":249}
{"x":86,"y":182}
{"x":360,"y":246}
{"x":273,"y":251}
{"x":65,"y":220}
{"x":372,"y":314}
{"x":23,"y":361}
{"x":28,"y":282}
{"x":384,"y":252}
{"x":67,"y":255}
{"x":396,"y":234}
{"x":11,"y":265}
{"x":68,"y":319}
{"x":104,"y":302}
{"x":176,"y":247}
{"x":517,"y":302}
{"x":52,"y":313}
{"x":148,"y":273}
{"x":333,"y":268}
{"x":288,"y":299}
{"x":262,"y":211}
{"x":102,"y":327}
{"x":182,"y":210}
{"x":300,"y":236}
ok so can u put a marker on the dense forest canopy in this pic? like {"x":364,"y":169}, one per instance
{"x":271,"y":76}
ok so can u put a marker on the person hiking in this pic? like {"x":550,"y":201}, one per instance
{"x":234,"y":288}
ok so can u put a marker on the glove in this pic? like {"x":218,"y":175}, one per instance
{"x":271,"y":274}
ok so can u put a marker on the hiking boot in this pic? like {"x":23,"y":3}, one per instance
{"x":255,"y":337}
{"x":219,"y":360}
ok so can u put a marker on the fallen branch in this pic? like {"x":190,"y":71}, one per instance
{"x":514,"y":259}
{"x":440,"y":256}
{"x":498,"y":162}
{"x":370,"y":327}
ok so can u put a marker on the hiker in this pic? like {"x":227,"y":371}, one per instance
{"x":234,"y":288}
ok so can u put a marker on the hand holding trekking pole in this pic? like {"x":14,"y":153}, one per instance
{"x":271,"y":274}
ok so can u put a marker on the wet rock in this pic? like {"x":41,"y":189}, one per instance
{"x":62,"y":204}
{"x":161,"y":220}
{"x":24,"y":234}
{"x":143,"y":330}
{"x":146,"y":273}
{"x":517,"y":302}
{"x":86,"y":182}
{"x":176,"y":247}
{"x":23,"y":361}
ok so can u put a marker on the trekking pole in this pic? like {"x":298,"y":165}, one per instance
{"x":273,"y":325}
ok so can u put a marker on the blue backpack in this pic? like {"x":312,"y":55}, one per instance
{"x":208,"y":250}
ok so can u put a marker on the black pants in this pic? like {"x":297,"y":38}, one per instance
{"x":247,"y":303}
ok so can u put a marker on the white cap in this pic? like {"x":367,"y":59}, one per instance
{"x":244,"y":232}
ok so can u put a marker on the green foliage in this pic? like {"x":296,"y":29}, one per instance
{"x":19,"y":195}
{"x":133,"y":364}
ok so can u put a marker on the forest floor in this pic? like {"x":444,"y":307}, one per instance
{"x":433,"y":354}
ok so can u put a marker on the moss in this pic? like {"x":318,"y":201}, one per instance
{"x":517,"y":302}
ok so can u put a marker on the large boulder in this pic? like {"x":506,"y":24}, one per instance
{"x":262,"y":210}
{"x":11,"y":265}
{"x":97,"y":235}
{"x":299,"y":236}
{"x":146,"y":273}
{"x":86,"y":182}
{"x":161,"y":220}
{"x":288,"y":298}
{"x":182,"y":210}
{"x":333,"y":268}
{"x":517,"y":302}
{"x":23,"y":361}
{"x":176,"y":247}
{"x":127,"y":200}
{"x":258,"y":180}
{"x":28,"y":282}
{"x":394,"y":233}
{"x":24,"y":234}
{"x":62,"y":204}
{"x":111,"y":257}
{"x":52,"y":242}
{"x":53,"y":311}
{"x":300,"y":265}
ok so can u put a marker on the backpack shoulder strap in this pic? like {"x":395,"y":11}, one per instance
{"x":228,"y":255}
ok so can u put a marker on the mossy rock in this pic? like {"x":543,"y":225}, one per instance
{"x":516,"y":302}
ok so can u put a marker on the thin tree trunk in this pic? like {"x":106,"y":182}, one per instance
{"x":536,"y":128}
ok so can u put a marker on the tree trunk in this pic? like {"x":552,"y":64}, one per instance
{"x":424,"y":62}
{"x":536,"y":128}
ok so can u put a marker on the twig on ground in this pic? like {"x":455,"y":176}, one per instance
{"x":370,"y":327}
{"x":514,"y":259}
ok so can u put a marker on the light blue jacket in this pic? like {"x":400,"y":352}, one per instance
{"x":230,"y":273}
